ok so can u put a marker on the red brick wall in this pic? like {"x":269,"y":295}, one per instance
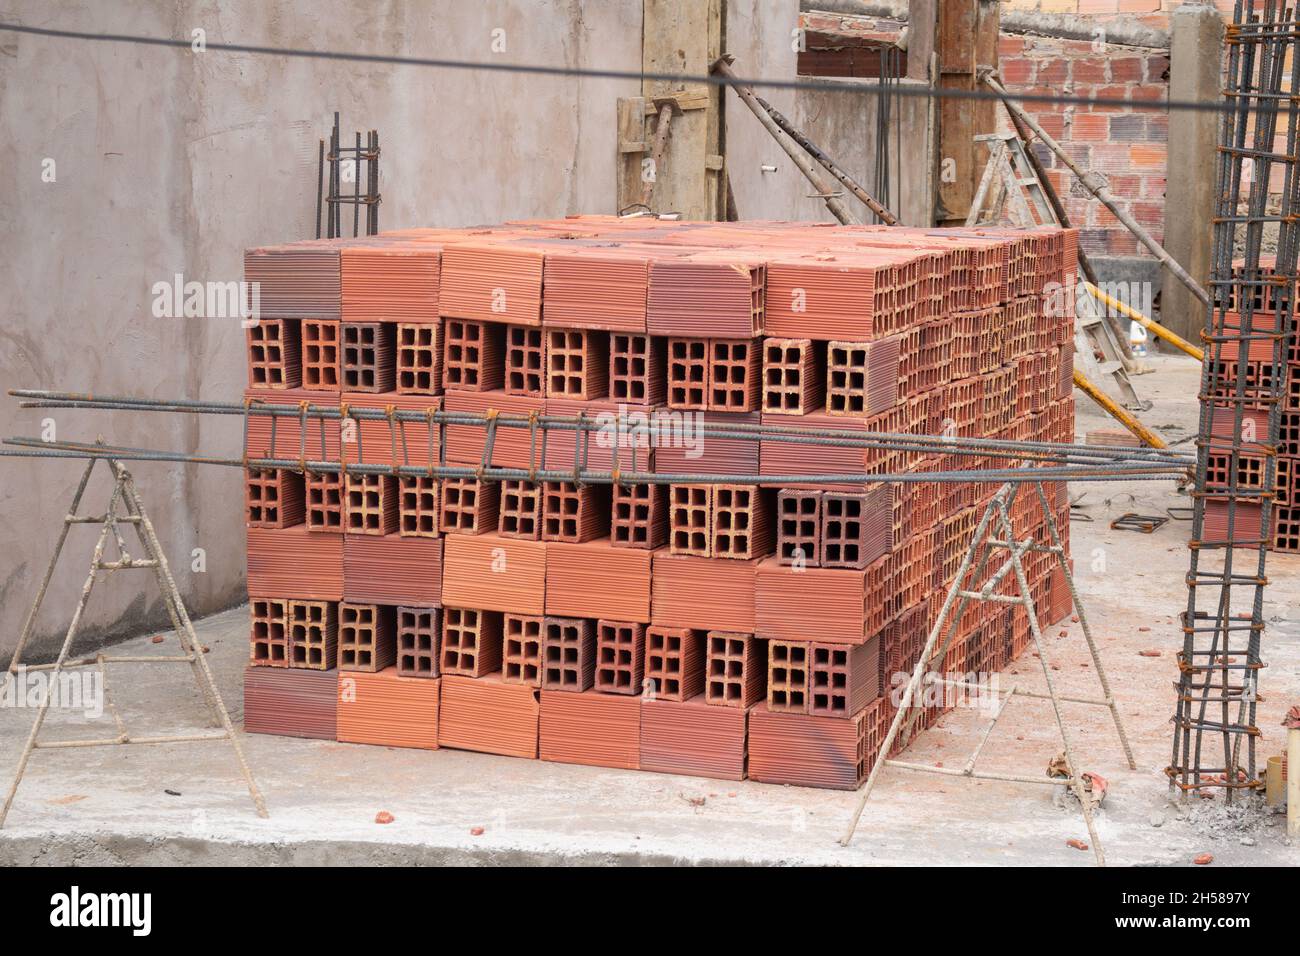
{"x":1128,"y":146}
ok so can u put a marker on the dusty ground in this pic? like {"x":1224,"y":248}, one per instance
{"x":113,"y":806}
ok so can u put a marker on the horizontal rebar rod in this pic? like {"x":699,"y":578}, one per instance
{"x":647,"y":425}
{"x":36,"y":448}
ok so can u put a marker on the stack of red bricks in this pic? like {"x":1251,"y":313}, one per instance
{"x":1247,"y":380}
{"x":745,"y":627}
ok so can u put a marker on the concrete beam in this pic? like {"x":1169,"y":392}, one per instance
{"x":1125,"y":31}
{"x":1196,"y":58}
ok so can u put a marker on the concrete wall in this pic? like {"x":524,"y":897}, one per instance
{"x":169,"y":161}
{"x":841,"y":123}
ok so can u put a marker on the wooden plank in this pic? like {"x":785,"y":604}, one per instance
{"x":631,"y":133}
{"x":965,"y":37}
{"x":685,"y":37}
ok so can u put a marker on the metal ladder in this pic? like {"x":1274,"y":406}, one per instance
{"x":1011,"y":186}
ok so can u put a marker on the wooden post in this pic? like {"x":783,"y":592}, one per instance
{"x":681,"y":37}
{"x":963,"y":37}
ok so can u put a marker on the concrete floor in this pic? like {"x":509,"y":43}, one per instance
{"x":185,"y":803}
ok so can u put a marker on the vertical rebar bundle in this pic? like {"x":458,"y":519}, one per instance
{"x":1243,"y":381}
{"x":330,"y":192}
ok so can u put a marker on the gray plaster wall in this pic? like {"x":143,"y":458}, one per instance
{"x":169,"y":161}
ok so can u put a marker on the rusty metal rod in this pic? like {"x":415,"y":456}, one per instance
{"x":722,"y":67}
{"x":816,"y":152}
{"x":1097,"y":186}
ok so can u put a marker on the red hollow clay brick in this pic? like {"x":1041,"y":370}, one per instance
{"x":856,"y":529}
{"x":471,"y":642}
{"x":388,"y":440}
{"x":313,"y":634}
{"x":367,"y":637}
{"x":798,"y":527}
{"x":700,"y":592}
{"x":844,"y":678}
{"x":274,"y":354}
{"x":488,"y":715}
{"x":602,"y":287}
{"x":781,"y":599}
{"x":620,"y":657}
{"x":396,"y":281}
{"x":862,"y":377}
{"x":321,"y":356}
{"x":793,"y":377}
{"x":388,"y":710}
{"x":674,"y":662}
{"x":472,"y":357}
{"x":735,"y":375}
{"x":520,"y":514}
{"x":417,"y":506}
{"x":637,"y":369}
{"x":736,"y":669}
{"x":690,"y":520}
{"x":690,"y":451}
{"x":525,"y":371}
{"x":370,"y":505}
{"x":512,"y":447}
{"x":390,"y":569}
{"x":490,"y":280}
{"x":419,"y":358}
{"x":495,"y":573}
{"x":468,"y":506}
{"x":716,"y":289}
{"x":623,"y":573}
{"x":325,"y":502}
{"x":419,"y":633}
{"x":639,"y":518}
{"x":274,"y":498}
{"x":568,"y":653}
{"x":369,"y":360}
{"x":688,"y":373}
{"x":788,"y":678}
{"x":577,"y":364}
{"x":593,"y":729}
{"x":269,"y":639}
{"x":291,"y":703}
{"x":287,"y":439}
{"x":295,"y":561}
{"x":574,"y":513}
{"x":810,"y":751}
{"x":521,"y":650}
{"x":690,"y":737}
{"x":742,"y":522}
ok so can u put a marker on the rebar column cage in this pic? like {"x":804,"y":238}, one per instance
{"x":331,"y":194}
{"x":1251,"y":304}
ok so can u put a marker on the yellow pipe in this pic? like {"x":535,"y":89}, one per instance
{"x":1149,"y":324}
{"x":1143,"y":433}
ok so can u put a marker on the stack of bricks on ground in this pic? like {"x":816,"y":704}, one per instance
{"x":1248,"y":381}
{"x":728,"y":630}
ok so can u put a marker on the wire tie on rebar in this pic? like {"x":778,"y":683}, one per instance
{"x":532,"y":445}
{"x":302,"y":437}
{"x":391,"y":412}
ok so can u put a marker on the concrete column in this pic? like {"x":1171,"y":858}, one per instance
{"x":1195,"y":73}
